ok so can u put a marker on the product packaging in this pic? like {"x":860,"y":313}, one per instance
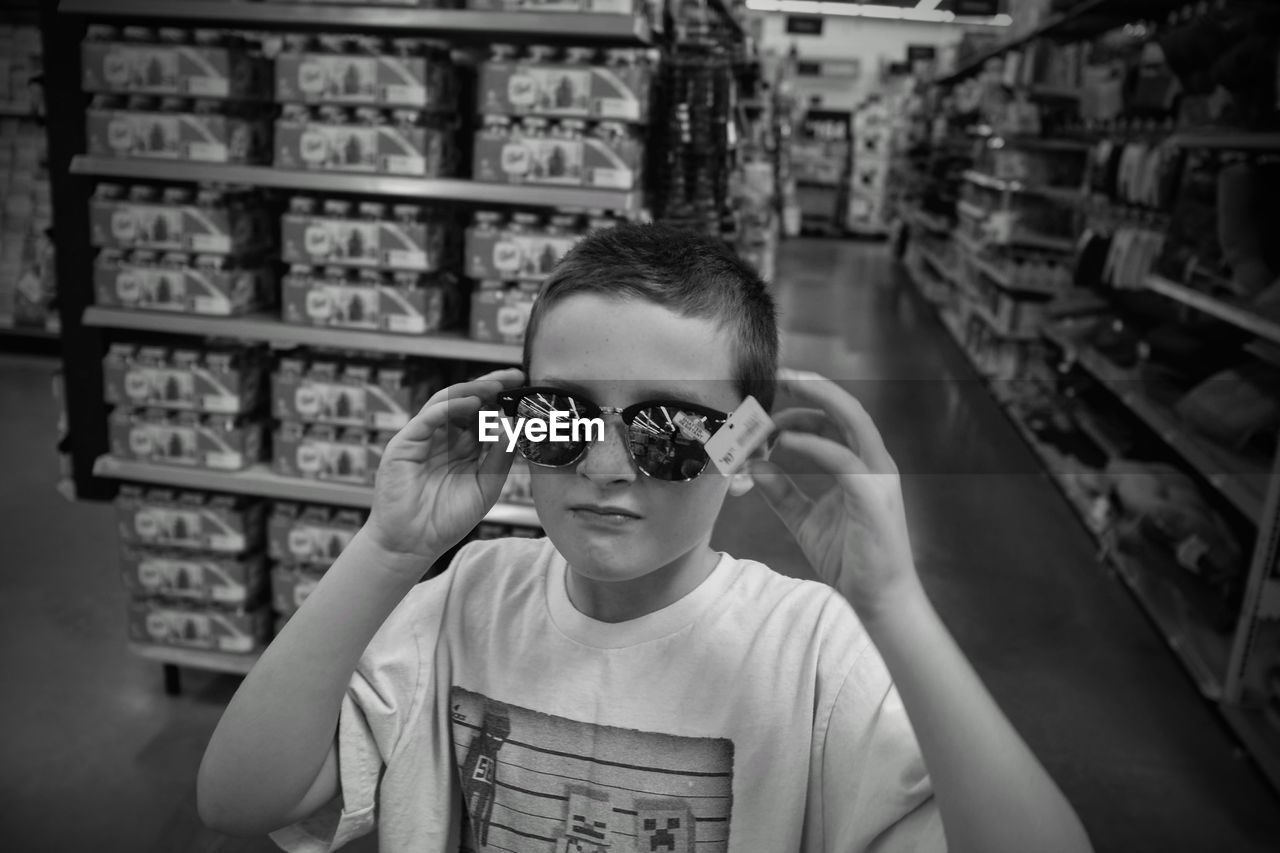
{"x":381,"y":395}
{"x":223,"y":379}
{"x":178,"y":219}
{"x":213,"y":285}
{"x":290,"y":586}
{"x":216,"y":442}
{"x":198,"y":521}
{"x":314,"y":536}
{"x":174,"y":129}
{"x":404,"y":302}
{"x":372,"y":235}
{"x":525,"y":247}
{"x":215,"y":66}
{"x":227,"y":581}
{"x":599,"y":7}
{"x":235,"y":631}
{"x":394,"y":142}
{"x":363,"y":71}
{"x":323,"y":452}
{"x":576,"y":83}
{"x":500,"y":312}
{"x":566,"y":152}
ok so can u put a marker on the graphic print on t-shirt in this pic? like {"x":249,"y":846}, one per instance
{"x":538,"y":783}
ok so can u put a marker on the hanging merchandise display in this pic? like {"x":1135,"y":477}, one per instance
{"x":291,"y":239}
{"x":1088,"y":209}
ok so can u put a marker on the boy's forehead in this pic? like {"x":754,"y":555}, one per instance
{"x":708,"y":392}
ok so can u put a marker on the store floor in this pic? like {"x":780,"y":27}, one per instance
{"x":95,"y":756}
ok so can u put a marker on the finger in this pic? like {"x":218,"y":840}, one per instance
{"x":462,"y":411}
{"x":485,"y":387}
{"x":847,"y":411}
{"x":781,"y":494}
{"x":813,"y":421}
{"x":830,"y":456}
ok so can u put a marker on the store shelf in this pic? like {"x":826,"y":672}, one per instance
{"x":1226,"y":138}
{"x":1061,"y":93}
{"x":196,"y":659}
{"x":261,"y":481}
{"x":268,"y":327}
{"x":1243,"y":483}
{"x":1046,"y":27}
{"x":991,"y":323}
{"x":989,"y":182}
{"x":16,"y":111}
{"x":1041,"y":143}
{"x":722,"y":6}
{"x":1236,"y":315}
{"x":1261,"y":739}
{"x":28,"y":339}
{"x":435,"y":189}
{"x":391,"y":20}
{"x":938,"y":266}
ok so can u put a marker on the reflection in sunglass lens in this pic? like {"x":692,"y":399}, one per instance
{"x":663,"y":450}
{"x":539,"y":406}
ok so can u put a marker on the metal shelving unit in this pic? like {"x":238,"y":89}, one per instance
{"x":615,"y":29}
{"x":260,"y":481}
{"x":1226,"y":138}
{"x":270,"y":328}
{"x":435,"y":189}
{"x":1236,"y":315}
{"x":990,"y":182}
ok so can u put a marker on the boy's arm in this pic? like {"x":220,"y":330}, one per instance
{"x":272,"y":758}
{"x":992,"y":793}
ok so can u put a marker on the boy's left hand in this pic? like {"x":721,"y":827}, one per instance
{"x":855,"y":535}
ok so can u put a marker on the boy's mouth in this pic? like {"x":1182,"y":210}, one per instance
{"x":605,"y":512}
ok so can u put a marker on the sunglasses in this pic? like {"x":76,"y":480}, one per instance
{"x":661,"y":434}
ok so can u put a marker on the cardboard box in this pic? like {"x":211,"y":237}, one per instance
{"x":123,"y":281}
{"x":310,"y":535}
{"x":216,"y":230}
{"x":413,"y":306}
{"x":226,"y":380}
{"x":500,"y":314}
{"x":199,"y":521}
{"x":321,"y":452}
{"x":235,"y":631}
{"x":356,"y":395}
{"x":290,"y":587}
{"x":217,"y":442}
{"x":422,"y":82}
{"x":378,"y":244}
{"x":614,"y":163}
{"x":227,"y":581}
{"x":507,"y":254}
{"x":195,"y":71}
{"x":563,"y":89}
{"x":414,"y":150}
{"x":199,"y":137}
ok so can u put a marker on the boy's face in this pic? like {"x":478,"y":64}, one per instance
{"x":616,"y":352}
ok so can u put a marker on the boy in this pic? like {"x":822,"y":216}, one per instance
{"x":619,"y":685}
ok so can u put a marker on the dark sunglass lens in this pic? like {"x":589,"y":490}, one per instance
{"x":539,"y":406}
{"x":662,"y":448}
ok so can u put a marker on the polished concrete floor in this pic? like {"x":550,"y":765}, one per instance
{"x":96,"y":757}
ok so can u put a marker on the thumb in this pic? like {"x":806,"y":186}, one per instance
{"x":781,"y":493}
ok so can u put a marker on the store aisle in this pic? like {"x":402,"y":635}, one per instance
{"x":98,"y":757}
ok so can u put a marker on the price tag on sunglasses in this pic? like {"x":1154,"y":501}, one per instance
{"x":748,"y":427}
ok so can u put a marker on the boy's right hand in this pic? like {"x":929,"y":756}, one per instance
{"x":436,"y":481}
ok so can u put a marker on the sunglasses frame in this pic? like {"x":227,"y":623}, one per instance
{"x":509,"y":403}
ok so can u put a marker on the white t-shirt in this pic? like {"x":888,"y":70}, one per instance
{"x":752,"y":715}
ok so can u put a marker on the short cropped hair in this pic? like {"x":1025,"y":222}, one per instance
{"x":688,"y":273}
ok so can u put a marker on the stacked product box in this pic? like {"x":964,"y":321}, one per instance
{"x":194,"y":567}
{"x":366,"y":71}
{"x":181,"y":282}
{"x":227,"y":379}
{"x":403,"y":302}
{"x":206,"y":220}
{"x":578,"y":82}
{"x":205,"y":131}
{"x":561,"y":152}
{"x":368,"y":235}
{"x":21,"y":63}
{"x":327,"y":452}
{"x":411,"y":143}
{"x":188,"y":438}
{"x":381,"y":395}
{"x":302,"y":542}
{"x":508,"y":258}
{"x":27,"y":280}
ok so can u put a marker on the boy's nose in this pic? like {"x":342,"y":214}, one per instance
{"x":609,"y":462}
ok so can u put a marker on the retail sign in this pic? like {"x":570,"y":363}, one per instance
{"x":804,"y":25}
{"x":979,"y":8}
{"x":921,"y":53}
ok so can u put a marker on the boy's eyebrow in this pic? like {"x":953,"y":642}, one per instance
{"x":646,"y":392}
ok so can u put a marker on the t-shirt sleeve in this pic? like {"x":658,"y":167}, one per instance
{"x":380,"y":700}
{"x":875,"y":792}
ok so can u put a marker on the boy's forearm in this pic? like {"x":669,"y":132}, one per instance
{"x":274,"y":736}
{"x":992,"y":793}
